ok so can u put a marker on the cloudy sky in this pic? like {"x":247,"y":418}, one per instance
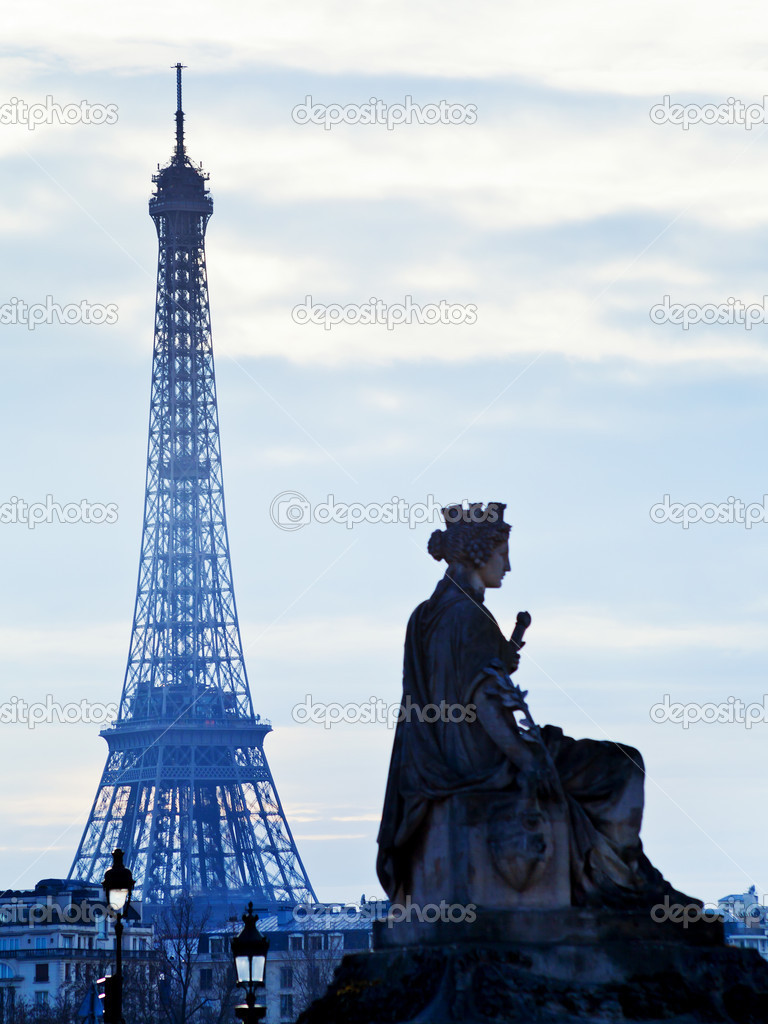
{"x":563,"y":213}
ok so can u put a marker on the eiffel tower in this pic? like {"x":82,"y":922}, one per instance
{"x":186,"y":792}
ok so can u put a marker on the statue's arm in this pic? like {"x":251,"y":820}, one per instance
{"x":496,"y":718}
{"x":512,"y":647}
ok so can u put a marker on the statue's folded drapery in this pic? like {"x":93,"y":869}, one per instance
{"x":455,"y":656}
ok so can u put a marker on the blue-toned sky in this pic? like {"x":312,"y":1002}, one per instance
{"x":563,"y":214}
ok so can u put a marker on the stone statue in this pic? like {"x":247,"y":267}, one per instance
{"x":482,"y":807}
{"x":531,"y":836}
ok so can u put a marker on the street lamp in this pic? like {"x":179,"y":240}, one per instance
{"x":118,"y":885}
{"x":249,"y":950}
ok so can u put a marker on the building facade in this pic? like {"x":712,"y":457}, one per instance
{"x":745,"y":920}
{"x":55,"y":939}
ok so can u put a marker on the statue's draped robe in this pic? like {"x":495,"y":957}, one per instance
{"x":455,"y":653}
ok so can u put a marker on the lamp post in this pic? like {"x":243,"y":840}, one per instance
{"x":249,"y":950}
{"x":118,"y":885}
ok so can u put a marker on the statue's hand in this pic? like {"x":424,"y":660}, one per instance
{"x":511,"y":696}
{"x":516,"y":642}
{"x":540,"y":779}
{"x":524,"y":620}
{"x":521,"y":625}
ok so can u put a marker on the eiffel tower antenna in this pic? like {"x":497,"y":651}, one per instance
{"x":187,"y":792}
{"x":179,"y":114}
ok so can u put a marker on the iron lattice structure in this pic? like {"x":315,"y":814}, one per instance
{"x":187,"y":792}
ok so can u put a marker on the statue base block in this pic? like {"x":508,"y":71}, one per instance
{"x":570,"y":965}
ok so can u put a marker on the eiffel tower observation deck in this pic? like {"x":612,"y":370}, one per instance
{"x":186,"y":792}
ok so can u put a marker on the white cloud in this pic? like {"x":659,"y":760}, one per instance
{"x":559,"y":321}
{"x":309,"y":836}
{"x":653,"y":47}
{"x":240,"y":274}
{"x":567,"y":628}
{"x":69,"y":642}
{"x":523,"y":168}
{"x":664,"y":272}
{"x":322,"y":637}
{"x":557,"y":627}
{"x":33,"y":212}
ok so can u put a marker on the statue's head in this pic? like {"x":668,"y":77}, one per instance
{"x":476,"y":538}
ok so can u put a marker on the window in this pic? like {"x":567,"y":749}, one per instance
{"x":9,"y":944}
{"x":315,"y":942}
{"x":295,"y":942}
{"x":41,"y":998}
{"x":217,"y":945}
{"x":66,"y":941}
{"x":41,"y":972}
{"x":286,"y":977}
{"x":40,"y":942}
{"x":286,"y":1007}
{"x":206,"y":978}
{"x":335,"y":942}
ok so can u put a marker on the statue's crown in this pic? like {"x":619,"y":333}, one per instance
{"x":474,"y":514}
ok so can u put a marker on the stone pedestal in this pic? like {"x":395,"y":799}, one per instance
{"x":491,"y":849}
{"x":527,"y":966}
